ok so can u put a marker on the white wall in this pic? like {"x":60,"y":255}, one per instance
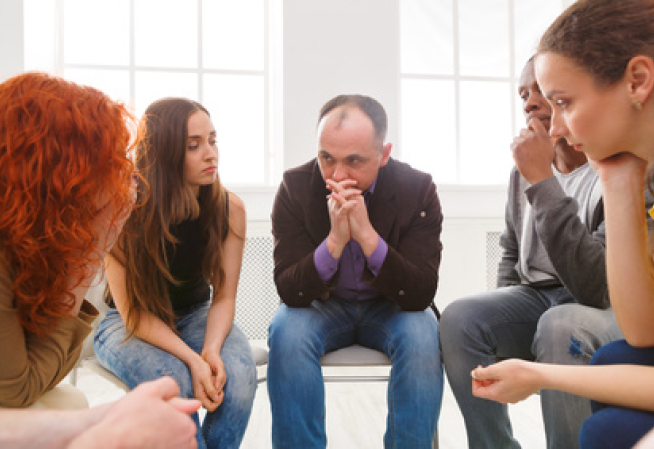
{"x":343,"y":46}
{"x":11,"y":38}
{"x":332,"y":47}
{"x":329,"y":47}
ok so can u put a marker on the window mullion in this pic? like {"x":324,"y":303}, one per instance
{"x":200,"y":62}
{"x":59,"y":39}
{"x":457,"y":90}
{"x":132,"y":56}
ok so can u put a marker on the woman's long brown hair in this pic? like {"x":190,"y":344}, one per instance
{"x":168,"y":200}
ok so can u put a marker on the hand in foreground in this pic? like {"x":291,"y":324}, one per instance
{"x":509,"y":381}
{"x":150,"y":416}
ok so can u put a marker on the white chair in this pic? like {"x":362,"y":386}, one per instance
{"x":64,"y":396}
{"x":92,"y":364}
{"x":358,"y":356}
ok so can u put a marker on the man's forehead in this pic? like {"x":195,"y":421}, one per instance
{"x":344,"y":122}
{"x":347,"y":114}
{"x":528,"y":76}
{"x":354,"y":152}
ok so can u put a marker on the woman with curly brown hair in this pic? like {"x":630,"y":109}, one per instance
{"x":65,"y":191}
{"x":595,"y":64}
{"x":174,"y":272}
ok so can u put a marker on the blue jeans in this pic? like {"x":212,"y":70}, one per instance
{"x":135,"y":361}
{"x":521,"y":322}
{"x":617,"y":427}
{"x":299,"y":337}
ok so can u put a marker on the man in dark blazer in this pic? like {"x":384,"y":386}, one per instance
{"x":357,"y":251}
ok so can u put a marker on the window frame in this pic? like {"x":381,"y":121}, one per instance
{"x":271,"y":139}
{"x":515,"y":121}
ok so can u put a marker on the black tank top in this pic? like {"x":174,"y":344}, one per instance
{"x":185,"y":259}
{"x":185,"y":263}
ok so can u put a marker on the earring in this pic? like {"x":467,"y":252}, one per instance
{"x":638,"y":105}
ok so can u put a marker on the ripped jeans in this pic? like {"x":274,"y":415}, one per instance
{"x":545,"y":325}
{"x":135,"y":361}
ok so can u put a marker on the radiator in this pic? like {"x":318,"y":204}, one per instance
{"x":493,"y":256}
{"x":256,"y":298}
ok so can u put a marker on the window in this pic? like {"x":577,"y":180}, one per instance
{"x":212,"y":51}
{"x":460,"y":64}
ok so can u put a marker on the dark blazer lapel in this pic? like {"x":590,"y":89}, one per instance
{"x":384,"y":209}
{"x":318,"y":219}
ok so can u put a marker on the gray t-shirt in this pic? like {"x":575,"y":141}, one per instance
{"x":584,"y":187}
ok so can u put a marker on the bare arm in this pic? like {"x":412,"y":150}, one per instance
{"x":513,"y":380}
{"x":149,"y":416}
{"x":43,"y":428}
{"x":629,"y":265}
{"x":154,"y":331}
{"x":221,"y":314}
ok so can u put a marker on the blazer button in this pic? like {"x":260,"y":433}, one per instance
{"x":401,"y":293}
{"x":423,"y":214}
{"x":300,"y":294}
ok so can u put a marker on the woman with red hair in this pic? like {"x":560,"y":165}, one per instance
{"x":65,"y":191}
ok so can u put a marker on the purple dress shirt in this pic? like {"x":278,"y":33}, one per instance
{"x":351,"y":264}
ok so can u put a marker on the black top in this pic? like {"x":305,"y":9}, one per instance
{"x":185,"y":262}
{"x":185,"y":259}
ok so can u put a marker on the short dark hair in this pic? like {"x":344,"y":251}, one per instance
{"x":368,"y":105}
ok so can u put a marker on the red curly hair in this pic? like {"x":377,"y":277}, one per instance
{"x":62,"y":146}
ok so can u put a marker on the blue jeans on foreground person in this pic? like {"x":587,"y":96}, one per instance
{"x":527,"y":323}
{"x":299,"y":337}
{"x":135,"y":361}
{"x":614,"y":427}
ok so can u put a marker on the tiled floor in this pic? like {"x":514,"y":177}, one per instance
{"x":356,"y":415}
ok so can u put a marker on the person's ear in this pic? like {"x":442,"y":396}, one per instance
{"x":385,"y":154}
{"x":640,"y":79}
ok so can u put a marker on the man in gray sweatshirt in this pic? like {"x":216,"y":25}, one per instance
{"x":552,"y":303}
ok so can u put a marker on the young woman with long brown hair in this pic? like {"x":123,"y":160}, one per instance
{"x":174,"y":272}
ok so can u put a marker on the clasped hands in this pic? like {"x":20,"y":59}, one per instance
{"x":348,"y":218}
{"x":209,"y":376}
